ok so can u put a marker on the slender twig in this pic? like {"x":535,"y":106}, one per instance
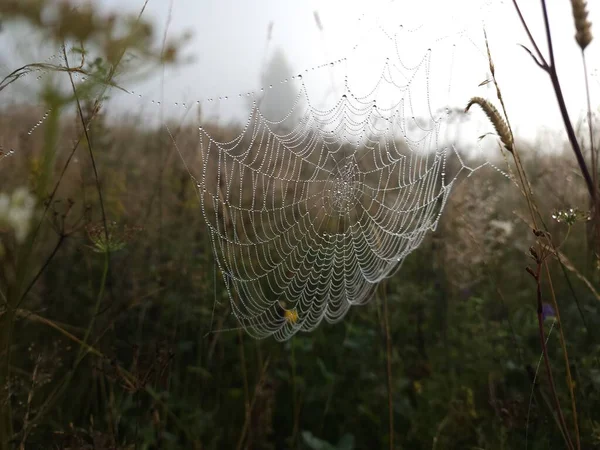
{"x":537,"y":277}
{"x":34,"y":382}
{"x":61,"y":239}
{"x":22,"y":71}
{"x":85,"y":126}
{"x":533,"y":376}
{"x":540,"y":56}
{"x":590,"y":124}
{"x":565,"y":115}
{"x":388,"y":340}
{"x":161,"y":157}
{"x":439,"y":430}
{"x":563,"y":344}
{"x":296,"y":402}
{"x":259,"y":385}
{"x":548,"y":35}
{"x":33,"y":317}
{"x":244,"y":375}
{"x":594,"y":157}
{"x":106,"y":271}
{"x":535,"y":60}
{"x":550,"y":68}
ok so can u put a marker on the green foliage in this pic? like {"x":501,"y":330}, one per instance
{"x":346,"y":442}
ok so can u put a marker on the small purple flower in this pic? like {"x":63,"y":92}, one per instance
{"x":465,"y":293}
{"x":547,"y":311}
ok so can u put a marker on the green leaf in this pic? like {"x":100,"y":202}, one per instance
{"x":326,"y":373}
{"x":205,"y":374}
{"x":315,"y":443}
{"x":346,"y":442}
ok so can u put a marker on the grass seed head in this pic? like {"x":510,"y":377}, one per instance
{"x":497,"y":121}
{"x":583,"y":26}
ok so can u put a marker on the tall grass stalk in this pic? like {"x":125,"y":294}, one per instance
{"x":388,"y":346}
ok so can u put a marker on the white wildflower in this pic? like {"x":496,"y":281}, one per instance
{"x":20,"y":220}
{"x":23,"y":199}
{"x":16,"y":212}
{"x":504,"y":225}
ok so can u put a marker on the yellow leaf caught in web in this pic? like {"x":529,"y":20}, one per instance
{"x":291,"y":315}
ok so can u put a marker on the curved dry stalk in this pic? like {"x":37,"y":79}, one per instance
{"x":571,"y":268}
{"x":497,"y":121}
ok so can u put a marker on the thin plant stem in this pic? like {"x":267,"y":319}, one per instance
{"x":594,"y":158}
{"x":85,"y":126}
{"x":563,"y":425}
{"x":34,"y":382}
{"x":388,"y":340}
{"x":593,"y":154}
{"x":438,"y":432}
{"x":61,"y":239}
{"x":240,"y":443}
{"x":296,"y":407}
{"x":525,"y":185}
{"x":106,"y":270}
{"x":99,"y":297}
{"x":572,"y":137}
{"x":566,"y":358}
{"x":543,"y":397}
{"x":244,"y":375}
{"x":539,"y":54}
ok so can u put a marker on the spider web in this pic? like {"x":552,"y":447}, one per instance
{"x":304,"y":223}
{"x":309,"y":212}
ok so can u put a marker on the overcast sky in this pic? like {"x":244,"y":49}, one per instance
{"x":230,"y":48}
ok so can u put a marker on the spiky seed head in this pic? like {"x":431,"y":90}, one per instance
{"x":583,"y":27}
{"x":497,"y":121}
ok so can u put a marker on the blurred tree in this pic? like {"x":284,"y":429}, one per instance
{"x":279,"y":96}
